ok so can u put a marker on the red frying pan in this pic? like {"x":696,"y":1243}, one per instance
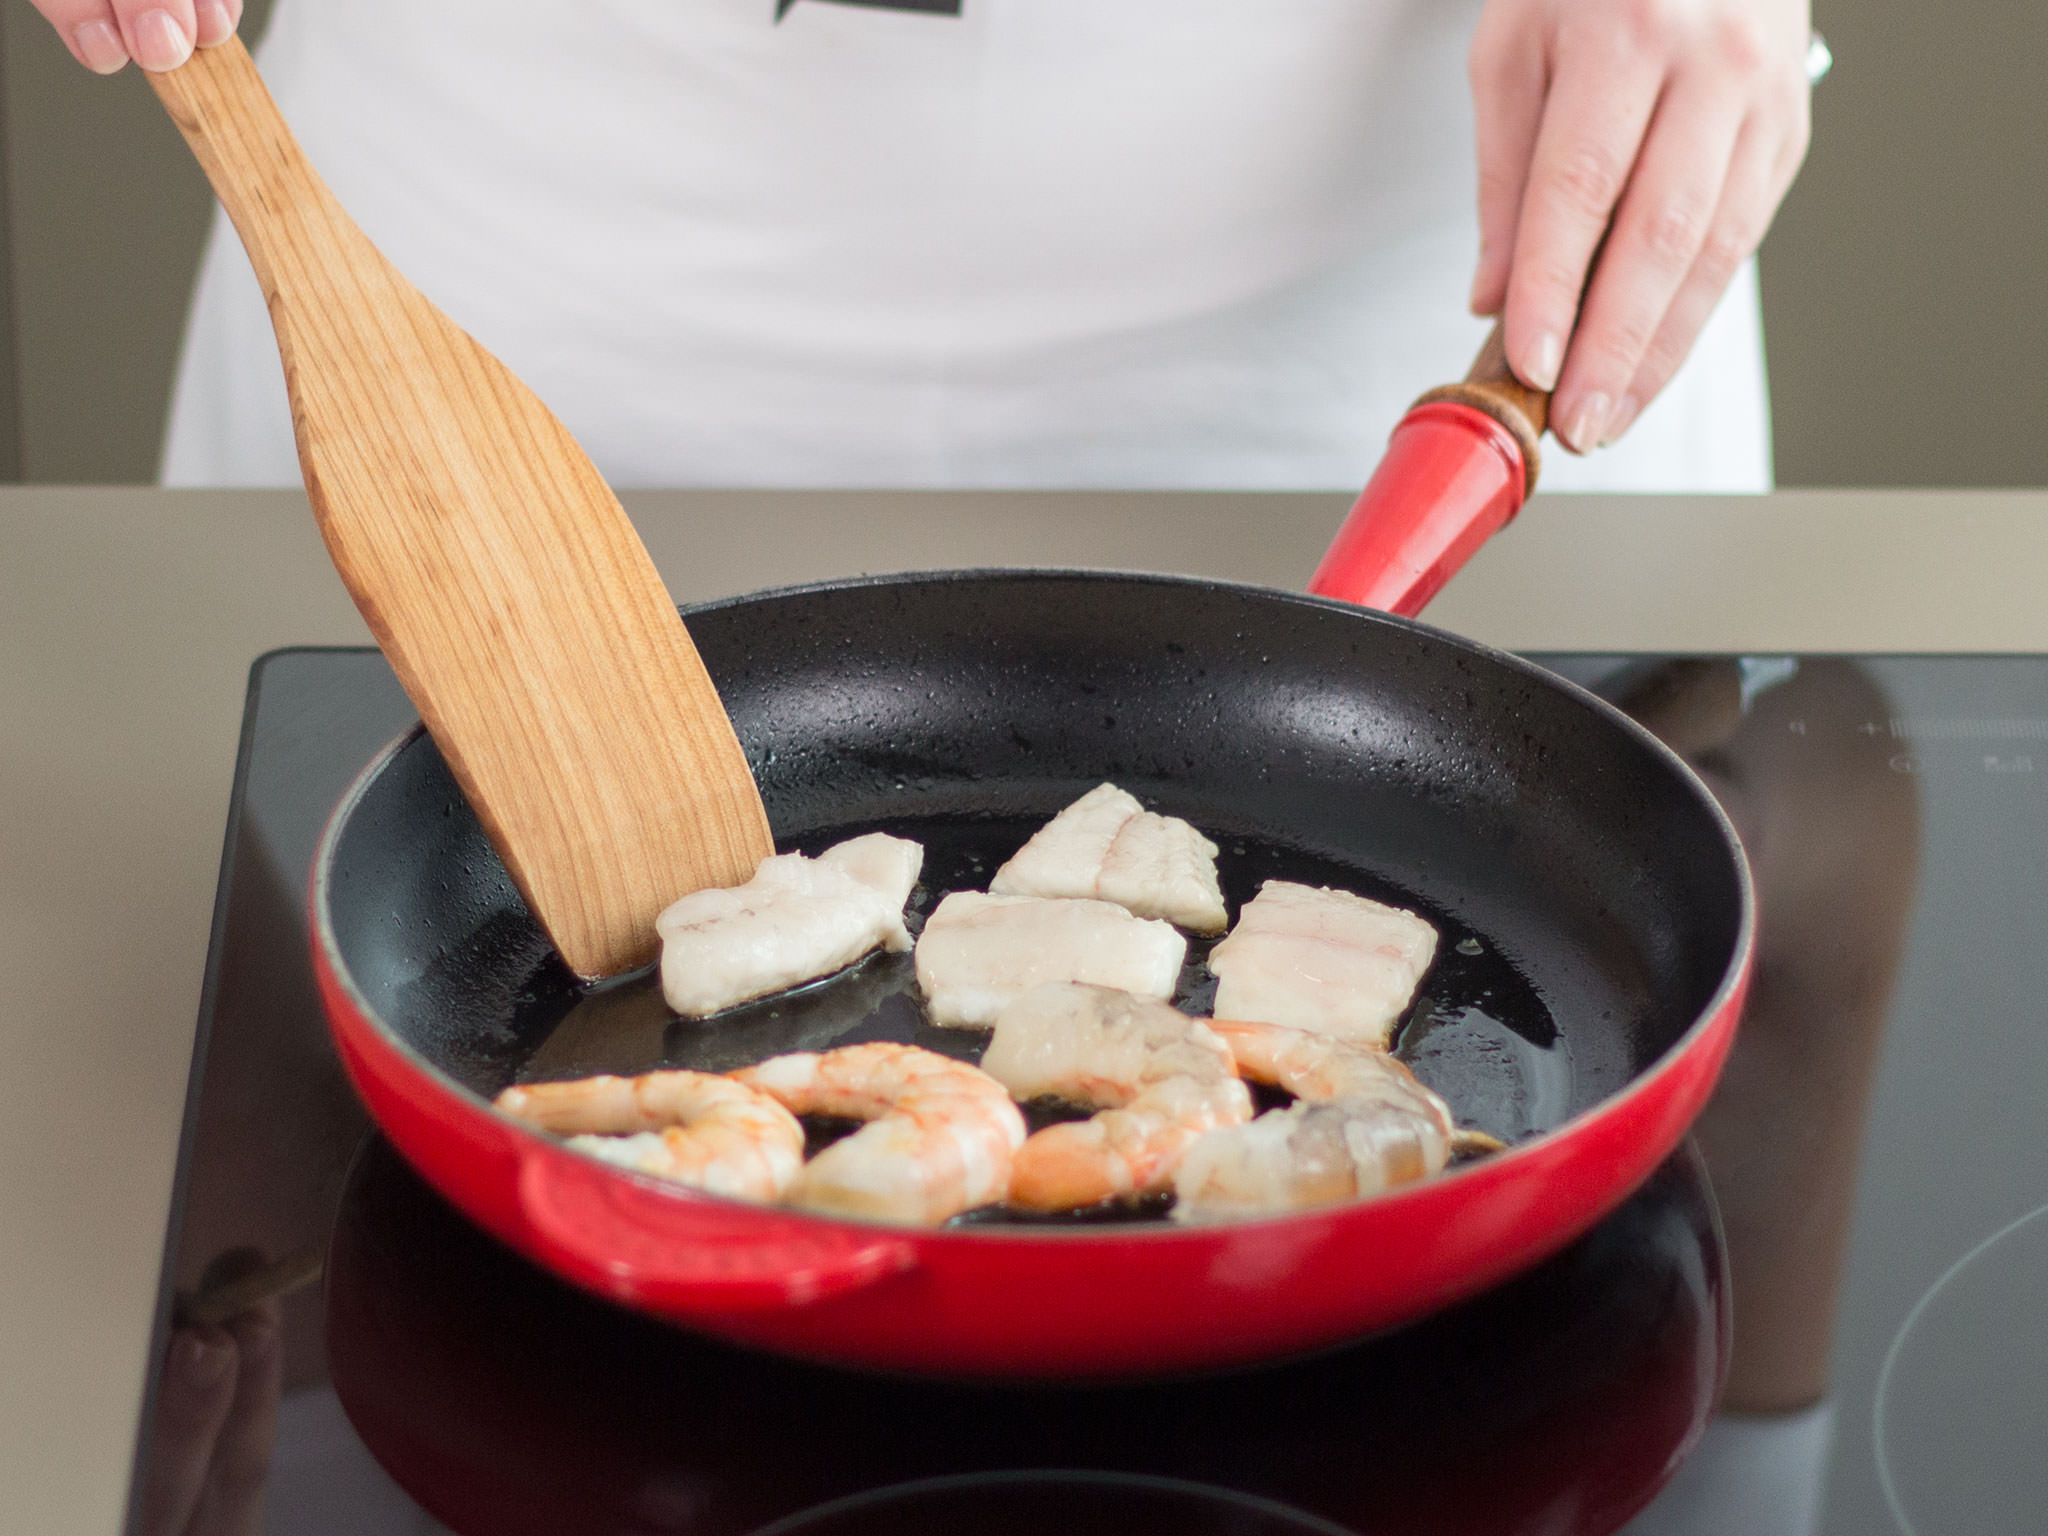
{"x":1594,"y":901}
{"x":1595,"y":908}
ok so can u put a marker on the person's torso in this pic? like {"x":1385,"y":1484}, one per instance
{"x":1039,"y":242}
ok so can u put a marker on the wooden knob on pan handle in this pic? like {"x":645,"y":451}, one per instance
{"x":1490,"y":385}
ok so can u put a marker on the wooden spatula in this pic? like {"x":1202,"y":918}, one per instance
{"x":495,"y":567}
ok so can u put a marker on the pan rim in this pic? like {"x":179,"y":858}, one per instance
{"x":1733,"y":980}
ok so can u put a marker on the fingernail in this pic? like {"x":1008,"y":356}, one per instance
{"x":1544,"y":358}
{"x":1587,"y":423}
{"x":202,"y":1362}
{"x":160,"y":43}
{"x":216,"y":23}
{"x":99,"y":46}
{"x":1624,"y":418}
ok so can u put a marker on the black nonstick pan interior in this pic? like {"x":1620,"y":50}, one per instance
{"x":1579,"y":877}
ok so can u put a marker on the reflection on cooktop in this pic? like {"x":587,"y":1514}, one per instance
{"x":1031,"y":1503}
{"x":505,"y":1400}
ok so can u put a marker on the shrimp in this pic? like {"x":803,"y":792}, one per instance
{"x":1160,"y":1078}
{"x":1363,"y":1124}
{"x":939,"y":1139}
{"x":696,"y":1128}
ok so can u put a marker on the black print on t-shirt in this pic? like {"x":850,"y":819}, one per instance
{"x":929,"y":7}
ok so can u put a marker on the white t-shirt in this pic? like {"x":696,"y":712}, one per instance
{"x":1057,"y":243}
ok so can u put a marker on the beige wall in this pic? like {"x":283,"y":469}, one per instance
{"x":105,"y":212}
{"x":1906,"y":282}
{"x":1905,"y":287}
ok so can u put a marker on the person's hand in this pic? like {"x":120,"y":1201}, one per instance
{"x":1681,"y":123}
{"x":216,"y":1416}
{"x":103,"y":35}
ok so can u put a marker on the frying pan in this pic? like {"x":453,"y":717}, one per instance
{"x":1595,"y":905}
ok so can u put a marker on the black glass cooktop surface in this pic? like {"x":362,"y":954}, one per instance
{"x":1824,"y":1315}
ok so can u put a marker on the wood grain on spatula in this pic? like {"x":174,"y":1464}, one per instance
{"x":496,"y":568}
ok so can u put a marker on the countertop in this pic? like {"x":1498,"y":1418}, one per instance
{"x":129,"y":619}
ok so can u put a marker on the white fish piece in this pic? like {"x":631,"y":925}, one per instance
{"x":889,"y":864}
{"x":1063,"y":857}
{"x":798,"y":919}
{"x":1331,"y":962}
{"x":1108,"y":847}
{"x":1160,"y":866}
{"x":978,"y":952}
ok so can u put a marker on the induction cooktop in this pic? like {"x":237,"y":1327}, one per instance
{"x":1823,"y":1315}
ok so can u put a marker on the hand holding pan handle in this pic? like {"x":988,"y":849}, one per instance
{"x":620,"y":1237}
{"x":1458,"y":467}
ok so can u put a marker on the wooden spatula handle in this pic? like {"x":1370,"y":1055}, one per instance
{"x":500,"y":575}
{"x":1490,"y":385}
{"x":258,"y":172}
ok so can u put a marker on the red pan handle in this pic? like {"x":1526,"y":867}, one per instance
{"x":678,"y":1252}
{"x":1458,"y":466}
